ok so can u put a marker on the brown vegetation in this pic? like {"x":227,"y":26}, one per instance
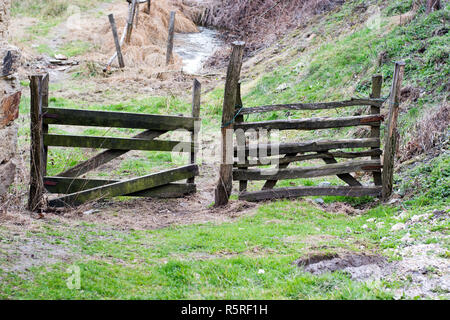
{"x":430,"y":132}
{"x":259,"y":22}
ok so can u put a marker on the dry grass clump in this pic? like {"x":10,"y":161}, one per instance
{"x":147,"y":48}
{"x":429,"y":132}
{"x":254,"y":21}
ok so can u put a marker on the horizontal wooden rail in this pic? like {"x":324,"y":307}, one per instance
{"x":313,"y":123}
{"x":313,"y":106}
{"x":309,"y":146}
{"x":295,"y":192}
{"x":64,"y":185}
{"x":105,"y":156}
{"x":57,"y":140}
{"x":306,"y":172}
{"x":116,"y":119}
{"x":127,"y":187}
{"x":313,"y":156}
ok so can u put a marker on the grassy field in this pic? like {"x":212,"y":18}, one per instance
{"x":252,"y":256}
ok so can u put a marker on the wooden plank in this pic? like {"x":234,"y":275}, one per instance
{"x":196,"y":102}
{"x":270,"y":184}
{"x":127,"y":187}
{"x":377,"y":82}
{"x":313,"y":106}
{"x":131,"y":14}
{"x":45,"y":96}
{"x":295,"y":192}
{"x":116,"y":40}
{"x":105,"y":156}
{"x":171,"y":190}
{"x":137,"y":14}
{"x":306,"y":172}
{"x":57,"y":140}
{"x":309,"y":146}
{"x":240,"y":135}
{"x":224,"y":185}
{"x":37,"y":148}
{"x":169,"y":52}
{"x":63,"y":185}
{"x":346,"y":177}
{"x":117,"y":119}
{"x":391,"y":134}
{"x":313,"y":124}
{"x":313,"y":156}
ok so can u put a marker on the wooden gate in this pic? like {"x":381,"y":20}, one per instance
{"x":363,"y":155}
{"x":77,"y":190}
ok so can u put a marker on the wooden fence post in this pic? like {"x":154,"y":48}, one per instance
{"x":240,"y":135}
{"x":196,"y":94}
{"x":169,"y":55}
{"x":224,"y":185}
{"x":433,"y":5}
{"x":131,"y":12}
{"x":137,"y":13}
{"x":391,"y":132}
{"x":38,"y":152}
{"x":377,"y":83}
{"x":149,"y":5}
{"x":116,"y":40}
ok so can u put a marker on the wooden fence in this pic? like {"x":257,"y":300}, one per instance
{"x":77,"y":190}
{"x":239,"y":160}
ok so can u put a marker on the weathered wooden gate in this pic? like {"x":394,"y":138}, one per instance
{"x":77,"y":190}
{"x":247,"y":155}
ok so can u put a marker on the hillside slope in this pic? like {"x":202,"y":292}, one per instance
{"x":334,"y":56}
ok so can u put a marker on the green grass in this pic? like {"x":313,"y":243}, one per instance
{"x":215,"y":261}
{"x":202,"y":261}
{"x":340,"y":66}
{"x":223,"y":260}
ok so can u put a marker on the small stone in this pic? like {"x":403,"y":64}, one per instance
{"x":319,"y":201}
{"x":281,"y":87}
{"x":398,"y":227}
{"x":371,"y":220}
{"x":394,"y":201}
{"x":60,"y":57}
{"x":325,"y":184}
{"x":418,"y":218}
{"x":407,"y":238}
{"x":261,"y":271}
{"x":348,"y":230}
{"x":365,"y":227}
{"x":380,"y":225}
{"x":88,"y":212}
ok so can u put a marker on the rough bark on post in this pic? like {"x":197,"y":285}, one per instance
{"x":169,"y":53}
{"x":433,"y":5}
{"x":377,"y":82}
{"x":39,"y":92}
{"x":196,"y":94}
{"x":131,"y":12}
{"x":116,"y":40}
{"x":391,"y":131}
{"x":224,"y":185}
{"x":137,"y":13}
{"x":149,"y":5}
